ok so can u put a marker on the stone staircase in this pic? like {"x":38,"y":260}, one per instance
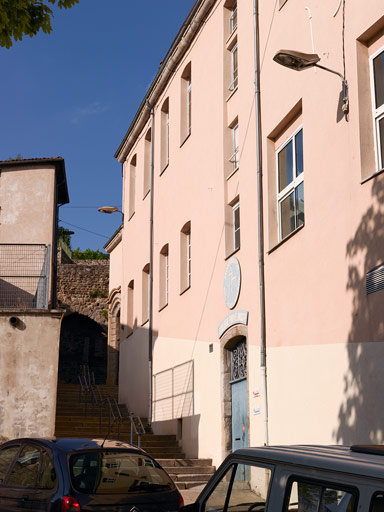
{"x":72,"y":422}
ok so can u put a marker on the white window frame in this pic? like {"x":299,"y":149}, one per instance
{"x":233,"y":18}
{"x":291,"y":187}
{"x":189,"y":105}
{"x":132,"y":189}
{"x":189,"y":258}
{"x":235,"y":147}
{"x":167,"y":137}
{"x":236,"y":229}
{"x":234,"y":70}
{"x":166,"y":256}
{"x":377,"y":113}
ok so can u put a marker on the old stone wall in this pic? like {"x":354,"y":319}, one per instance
{"x":82,"y":287}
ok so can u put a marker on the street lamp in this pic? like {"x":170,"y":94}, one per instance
{"x":110,"y":209}
{"x":299,"y":61}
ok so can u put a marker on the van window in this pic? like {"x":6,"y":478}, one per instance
{"x":243,"y":488}
{"x":318,"y":497}
{"x":377,"y":503}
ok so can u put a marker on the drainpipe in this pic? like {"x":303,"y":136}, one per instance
{"x":260,"y":218}
{"x":150,"y":291}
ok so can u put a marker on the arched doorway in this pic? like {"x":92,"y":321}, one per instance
{"x":82,"y":341}
{"x":235,"y":388}
{"x":113,"y":336}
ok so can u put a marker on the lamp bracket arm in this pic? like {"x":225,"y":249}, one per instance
{"x":331,"y":71}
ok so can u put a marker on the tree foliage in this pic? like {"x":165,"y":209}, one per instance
{"x":89,"y":254}
{"x":20,"y":18}
{"x":64,"y":236}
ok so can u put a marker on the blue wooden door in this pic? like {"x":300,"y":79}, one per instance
{"x":239,"y":399}
{"x":239,"y":414}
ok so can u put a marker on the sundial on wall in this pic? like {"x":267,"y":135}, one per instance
{"x":232,"y":282}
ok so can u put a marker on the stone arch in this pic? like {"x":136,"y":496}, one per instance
{"x":82,"y":341}
{"x":114,"y":303}
{"x":228,"y":342}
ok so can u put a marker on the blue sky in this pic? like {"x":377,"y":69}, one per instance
{"x":74,"y":92}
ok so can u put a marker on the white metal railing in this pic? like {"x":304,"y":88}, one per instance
{"x":173,"y":392}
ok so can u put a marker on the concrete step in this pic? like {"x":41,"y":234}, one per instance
{"x":190,"y":470}
{"x":197,"y":477}
{"x":170,"y":463}
{"x":189,"y":485}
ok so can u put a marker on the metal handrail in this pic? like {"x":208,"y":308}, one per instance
{"x":89,"y":389}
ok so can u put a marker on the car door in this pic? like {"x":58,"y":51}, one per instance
{"x":21,"y":481}
{"x":230,"y":492}
{"x":7,"y":456}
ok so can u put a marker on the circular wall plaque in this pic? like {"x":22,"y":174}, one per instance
{"x":232,"y":281}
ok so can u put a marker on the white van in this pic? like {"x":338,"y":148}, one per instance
{"x":297,"y":479}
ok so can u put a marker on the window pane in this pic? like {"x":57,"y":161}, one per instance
{"x":236,"y":226}
{"x":285,"y":164}
{"x":26,"y":468}
{"x":299,"y":153}
{"x":287,"y":212}
{"x":6,"y":457}
{"x":378,"y":70}
{"x":381,"y":142}
{"x":117,"y":473}
{"x":306,"y":497}
{"x":299,"y":193}
{"x":48,"y":475}
{"x":216,"y":501}
{"x":250,"y":489}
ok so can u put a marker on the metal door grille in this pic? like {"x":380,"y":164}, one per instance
{"x":239,"y":361}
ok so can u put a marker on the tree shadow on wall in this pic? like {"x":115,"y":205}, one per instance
{"x":361,"y":415}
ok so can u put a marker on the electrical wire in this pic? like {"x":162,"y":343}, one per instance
{"x":343,"y":36}
{"x":90,"y":207}
{"x":83,"y":229}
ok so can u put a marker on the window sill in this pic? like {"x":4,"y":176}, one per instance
{"x":232,"y":253}
{"x":163,"y":307}
{"x":185,"y":139}
{"x":285,"y":239}
{"x":232,"y":173}
{"x":376,"y":173}
{"x":232,"y":93}
{"x":232,"y":36}
{"x":185,"y":290}
{"x":164,"y":168}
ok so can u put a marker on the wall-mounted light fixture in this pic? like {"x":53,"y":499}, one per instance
{"x":299,"y":61}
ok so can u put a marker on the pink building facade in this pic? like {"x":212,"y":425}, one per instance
{"x":190,"y":335}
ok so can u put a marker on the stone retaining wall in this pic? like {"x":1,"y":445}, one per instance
{"x":82,"y":287}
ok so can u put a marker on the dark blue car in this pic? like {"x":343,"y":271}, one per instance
{"x":72,"y":475}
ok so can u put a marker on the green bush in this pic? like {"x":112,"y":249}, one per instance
{"x":89,"y":254}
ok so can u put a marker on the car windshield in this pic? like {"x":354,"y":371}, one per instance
{"x":113,"y":472}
